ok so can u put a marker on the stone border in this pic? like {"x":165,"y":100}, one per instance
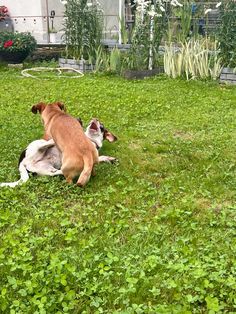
{"x":81,"y":65}
{"x":228,"y":76}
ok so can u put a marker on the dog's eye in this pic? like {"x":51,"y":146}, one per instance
{"x":102,"y":127}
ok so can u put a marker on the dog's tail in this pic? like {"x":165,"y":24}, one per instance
{"x":24,"y":176}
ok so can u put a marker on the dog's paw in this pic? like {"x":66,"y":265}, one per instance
{"x":108,"y":159}
{"x":113,"y":160}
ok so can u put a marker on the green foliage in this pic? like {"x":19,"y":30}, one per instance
{"x":185,"y":21}
{"x":83,"y":29}
{"x":142,"y":40}
{"x":194,"y":59}
{"x":115,"y":60}
{"x":227,"y":33}
{"x":101,"y":59}
{"x":154,"y":233}
{"x":108,"y":61}
{"x":123,"y":30}
{"x":13,"y":42}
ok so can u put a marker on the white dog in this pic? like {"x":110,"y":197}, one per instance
{"x":44,"y":158}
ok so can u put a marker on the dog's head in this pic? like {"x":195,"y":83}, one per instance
{"x":96,"y":132}
{"x":41,"y":106}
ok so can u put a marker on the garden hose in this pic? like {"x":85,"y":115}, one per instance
{"x":59,"y":70}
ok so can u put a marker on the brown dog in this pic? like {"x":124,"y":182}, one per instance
{"x":79,"y":154}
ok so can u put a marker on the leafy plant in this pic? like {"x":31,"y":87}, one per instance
{"x":193,"y":59}
{"x":123,"y":30}
{"x":82,"y":29}
{"x":108,"y":61}
{"x":150,"y":25}
{"x":17,"y":42}
{"x":101,"y":59}
{"x":171,"y":30}
{"x":115,"y":60}
{"x":185,"y":21}
{"x":227,"y":33}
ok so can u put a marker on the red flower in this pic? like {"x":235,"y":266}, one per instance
{"x":8,"y":43}
{"x":3,"y":9}
{"x":3,"y":12}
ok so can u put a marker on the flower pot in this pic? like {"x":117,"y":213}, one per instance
{"x":13,"y":56}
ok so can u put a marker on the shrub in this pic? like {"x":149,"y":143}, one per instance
{"x":17,"y":42}
{"x":3,"y":12}
{"x":83,"y":29}
{"x":193,"y":59}
{"x":227,"y":33}
{"x":150,"y":25}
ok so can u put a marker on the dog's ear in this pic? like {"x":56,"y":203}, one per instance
{"x":109,"y":136}
{"x":61,"y":105}
{"x":38,"y":108}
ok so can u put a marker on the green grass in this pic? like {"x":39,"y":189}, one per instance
{"x":154,"y":233}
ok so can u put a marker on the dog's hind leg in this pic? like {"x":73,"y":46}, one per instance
{"x":69,"y":175}
{"x":69,"y":172}
{"x":56,"y":172}
{"x":52,"y":172}
{"x":42,"y":168}
{"x":46,"y":145}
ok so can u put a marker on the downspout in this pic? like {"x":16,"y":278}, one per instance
{"x":120,"y":19}
{"x":47,"y":19}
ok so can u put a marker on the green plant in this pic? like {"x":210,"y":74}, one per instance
{"x":227,"y":33}
{"x":185,"y":21}
{"x":17,"y":42}
{"x":171,"y":30}
{"x":115,"y":60}
{"x":123,"y":30}
{"x":52,"y":30}
{"x":193,"y":59}
{"x":83,"y":29}
{"x":108,"y":61}
{"x":150,"y":25}
{"x":101,"y":59}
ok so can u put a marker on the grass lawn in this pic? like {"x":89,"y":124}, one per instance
{"x":154,"y":233}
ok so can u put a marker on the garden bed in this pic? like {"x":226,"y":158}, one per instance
{"x":81,"y":65}
{"x":47,"y":53}
{"x":141,"y":74}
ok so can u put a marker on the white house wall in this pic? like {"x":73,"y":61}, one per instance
{"x":32,"y":16}
{"x":111,"y":20}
